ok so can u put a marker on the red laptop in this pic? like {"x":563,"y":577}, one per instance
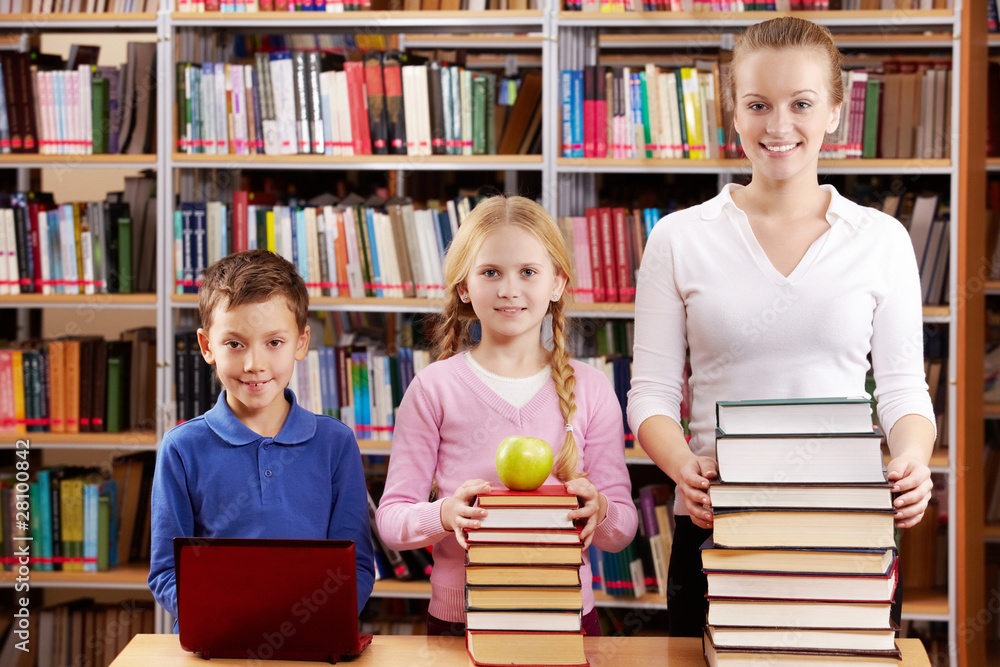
{"x":268,"y":599}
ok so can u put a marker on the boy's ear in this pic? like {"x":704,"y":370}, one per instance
{"x":206,"y":350}
{"x":302,"y":345}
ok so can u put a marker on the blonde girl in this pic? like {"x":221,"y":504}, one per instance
{"x":779,"y":289}
{"x":507,"y":269}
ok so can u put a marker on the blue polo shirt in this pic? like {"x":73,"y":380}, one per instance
{"x":217,"y":478}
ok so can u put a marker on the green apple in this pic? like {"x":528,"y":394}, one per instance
{"x":523,"y":463}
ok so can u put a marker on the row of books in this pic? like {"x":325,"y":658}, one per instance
{"x":733,"y":6}
{"x":926,"y":217}
{"x":82,"y":519}
{"x":335,"y":6}
{"x":522,"y":575}
{"x":297,"y":102}
{"x":804,"y":558}
{"x":900,"y":110}
{"x":78,"y":6}
{"x":48,"y":108}
{"x":78,"y":632}
{"x":355,"y":248}
{"x":79,"y":384}
{"x":101,"y":247}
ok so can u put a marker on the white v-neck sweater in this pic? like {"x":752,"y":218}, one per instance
{"x":705,"y":283}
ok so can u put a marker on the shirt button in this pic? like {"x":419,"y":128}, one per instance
{"x":267,"y":446}
{"x":267,"y":473}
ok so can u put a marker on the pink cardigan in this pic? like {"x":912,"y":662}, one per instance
{"x":448,"y":428}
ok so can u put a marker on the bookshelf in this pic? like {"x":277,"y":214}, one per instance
{"x":897,"y":32}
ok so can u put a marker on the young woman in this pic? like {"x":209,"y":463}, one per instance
{"x":507,"y":268}
{"x":779,"y":289}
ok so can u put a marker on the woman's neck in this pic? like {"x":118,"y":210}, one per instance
{"x":782,"y":201}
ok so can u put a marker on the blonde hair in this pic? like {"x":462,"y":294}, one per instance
{"x":788,"y":32}
{"x":456,"y":317}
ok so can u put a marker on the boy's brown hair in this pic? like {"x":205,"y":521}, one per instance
{"x":252,"y":276}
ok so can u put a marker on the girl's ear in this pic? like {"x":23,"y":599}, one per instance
{"x":834,"y":119}
{"x":559,"y":285}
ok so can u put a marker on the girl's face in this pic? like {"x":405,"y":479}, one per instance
{"x":783,"y":111}
{"x":510,"y":285}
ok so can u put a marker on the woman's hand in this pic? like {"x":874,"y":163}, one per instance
{"x":457,"y":513}
{"x":911,"y":479}
{"x":593,"y":509}
{"x":692,"y":485}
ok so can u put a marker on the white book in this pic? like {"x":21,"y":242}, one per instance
{"x":669,"y":129}
{"x":452,"y":217}
{"x":208,"y":109}
{"x":221,"y":114}
{"x":329,"y":143}
{"x":708,"y":123}
{"x":457,"y":121}
{"x":315,"y":391}
{"x":388,"y":261}
{"x":355,"y":277}
{"x":287,"y":240}
{"x":409,"y":110}
{"x":423,"y":110}
{"x":432,"y":257}
{"x":329,"y":224}
{"x":239,"y":110}
{"x":87,"y":248}
{"x":343,"y":114}
{"x":86,"y":112}
{"x":43,"y":246}
{"x":68,"y":239}
{"x":628,"y":140}
{"x":283,"y":92}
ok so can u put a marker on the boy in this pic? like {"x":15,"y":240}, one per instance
{"x":257,"y":465}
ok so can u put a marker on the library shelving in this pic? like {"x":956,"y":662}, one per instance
{"x":958,"y":33}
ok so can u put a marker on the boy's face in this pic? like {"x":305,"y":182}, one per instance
{"x":254,"y":348}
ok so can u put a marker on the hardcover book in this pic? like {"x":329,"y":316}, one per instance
{"x":805,"y":415}
{"x":526,"y":648}
{"x":814,"y":528}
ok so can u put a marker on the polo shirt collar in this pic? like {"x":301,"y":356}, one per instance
{"x":299,"y":426}
{"x":840,"y":208}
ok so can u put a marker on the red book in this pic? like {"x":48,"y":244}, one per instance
{"x":626,"y":290}
{"x":607,"y":232}
{"x":547,"y":495}
{"x":597,"y":269}
{"x":358,"y":104}
{"x":241,"y":199}
{"x":601,"y":115}
{"x":589,"y":112}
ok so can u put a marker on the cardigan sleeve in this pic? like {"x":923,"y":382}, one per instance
{"x":405,"y":519}
{"x":604,"y":457}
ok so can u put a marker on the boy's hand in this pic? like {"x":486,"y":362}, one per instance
{"x":692,"y":486}
{"x":912,"y":481}
{"x":457,"y":513}
{"x":593,"y":509}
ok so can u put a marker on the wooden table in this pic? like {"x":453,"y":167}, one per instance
{"x":422,"y":651}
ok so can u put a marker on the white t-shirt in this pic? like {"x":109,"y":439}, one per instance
{"x":516,"y":391}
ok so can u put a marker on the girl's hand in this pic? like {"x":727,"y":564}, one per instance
{"x":912,"y":481}
{"x":457,"y":513}
{"x":692,"y":486}
{"x":594,"y":508}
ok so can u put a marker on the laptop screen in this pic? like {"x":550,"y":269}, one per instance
{"x":266,"y":599}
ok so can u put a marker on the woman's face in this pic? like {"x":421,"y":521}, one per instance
{"x":783,"y":111}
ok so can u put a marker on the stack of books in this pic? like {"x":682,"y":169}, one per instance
{"x":803,"y":566}
{"x":524,"y":602}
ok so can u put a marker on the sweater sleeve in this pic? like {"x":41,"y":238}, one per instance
{"x":349,"y":518}
{"x":897,"y":336}
{"x":660,"y":334}
{"x":405,"y":518}
{"x":171,"y":516}
{"x":605,"y":463}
